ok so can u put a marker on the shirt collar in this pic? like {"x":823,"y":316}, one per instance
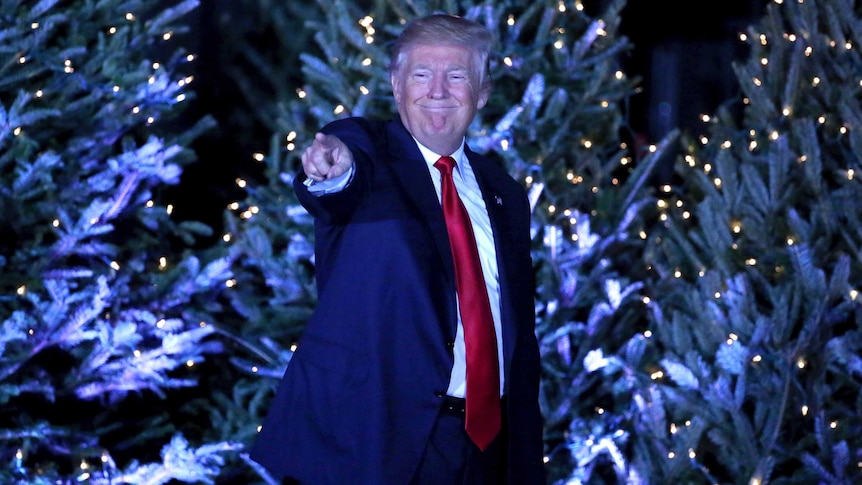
{"x":431,"y":157}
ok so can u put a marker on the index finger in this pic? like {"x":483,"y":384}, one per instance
{"x":325,"y":142}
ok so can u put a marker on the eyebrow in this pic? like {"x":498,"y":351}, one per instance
{"x":456,"y":67}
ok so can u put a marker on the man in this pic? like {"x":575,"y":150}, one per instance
{"x":379,"y":391}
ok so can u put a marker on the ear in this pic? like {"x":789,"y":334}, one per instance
{"x":484,"y":93}
{"x":396,"y":87}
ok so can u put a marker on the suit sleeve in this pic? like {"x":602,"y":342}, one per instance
{"x":336,"y":208}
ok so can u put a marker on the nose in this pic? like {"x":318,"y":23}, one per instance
{"x":438,"y":87}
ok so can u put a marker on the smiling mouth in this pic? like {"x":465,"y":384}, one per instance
{"x":439,"y":109}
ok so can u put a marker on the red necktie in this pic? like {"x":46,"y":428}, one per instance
{"x":483,"y":372}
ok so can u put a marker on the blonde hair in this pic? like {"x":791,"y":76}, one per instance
{"x":445,"y":29}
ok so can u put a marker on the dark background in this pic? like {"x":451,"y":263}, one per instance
{"x":683,"y":50}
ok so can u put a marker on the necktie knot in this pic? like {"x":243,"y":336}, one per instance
{"x":445,"y":164}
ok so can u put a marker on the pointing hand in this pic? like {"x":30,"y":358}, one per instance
{"x":326,"y":158}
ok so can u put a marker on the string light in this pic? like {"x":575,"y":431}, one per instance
{"x":366,"y":22}
{"x":86,"y":474}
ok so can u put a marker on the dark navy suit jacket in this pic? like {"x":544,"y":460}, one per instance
{"x":361,"y":393}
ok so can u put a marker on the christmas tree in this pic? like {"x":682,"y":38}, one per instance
{"x":755,"y":316}
{"x":106,"y":308}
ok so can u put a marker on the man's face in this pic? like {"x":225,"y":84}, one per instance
{"x":437,"y":93}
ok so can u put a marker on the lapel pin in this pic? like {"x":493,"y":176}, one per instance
{"x":498,"y":199}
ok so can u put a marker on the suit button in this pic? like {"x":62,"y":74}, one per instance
{"x":439,"y":394}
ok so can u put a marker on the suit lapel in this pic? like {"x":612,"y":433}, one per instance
{"x":493,"y":195}
{"x":411,"y":171}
